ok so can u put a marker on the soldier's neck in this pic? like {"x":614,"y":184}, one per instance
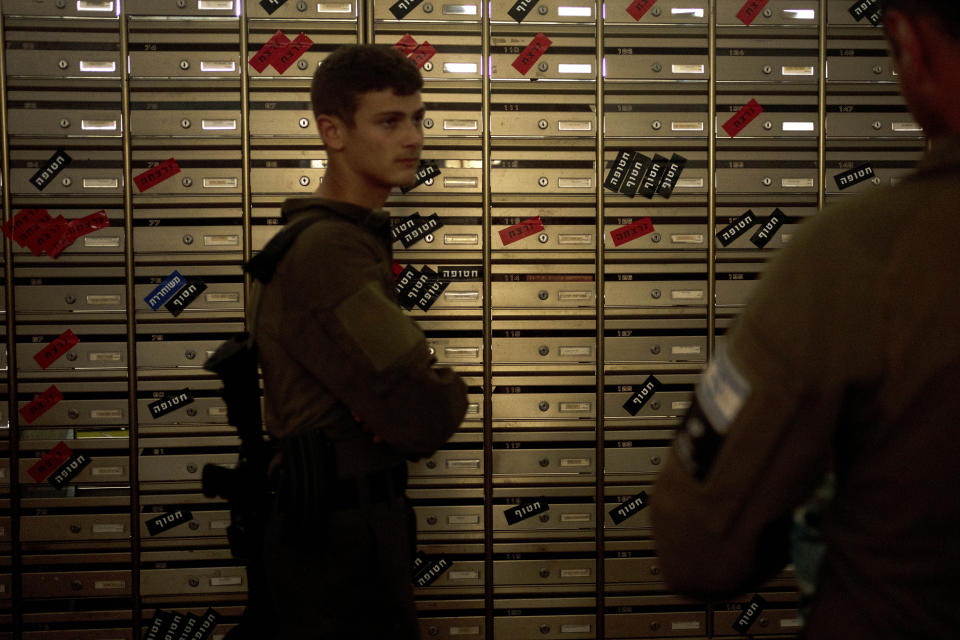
{"x":349,"y":188}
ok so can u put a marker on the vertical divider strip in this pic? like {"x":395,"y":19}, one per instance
{"x":711,"y":181}
{"x":599,"y":349}
{"x":822,"y":107}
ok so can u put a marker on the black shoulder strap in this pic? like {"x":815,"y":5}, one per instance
{"x":264,"y":264}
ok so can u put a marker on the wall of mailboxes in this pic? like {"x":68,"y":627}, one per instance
{"x":186,"y":122}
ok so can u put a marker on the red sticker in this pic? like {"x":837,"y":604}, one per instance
{"x":261,"y":59}
{"x":751,"y":10}
{"x":40,"y":404}
{"x":521,"y":230}
{"x":532,"y":53}
{"x":46,"y":356}
{"x":639,"y":7}
{"x":742,"y":118}
{"x":51,"y":234}
{"x":397,"y":269}
{"x":24,"y":220}
{"x":50,"y":462}
{"x":422,"y":53}
{"x":406,"y":44}
{"x":632,"y":231}
{"x":289,"y":54}
{"x":155,"y":175}
{"x":33,"y":237}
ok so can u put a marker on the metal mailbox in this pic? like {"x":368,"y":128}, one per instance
{"x":36,"y":51}
{"x":859,"y":61}
{"x":327,"y":10}
{"x":105,"y":9}
{"x":105,"y":244}
{"x":192,"y":110}
{"x":634,"y":569}
{"x":192,"y":239}
{"x":205,"y":171}
{"x":557,"y":625}
{"x":670,"y":400}
{"x":189,"y":581}
{"x":324,"y":37}
{"x":869,"y":116}
{"x":285,"y":171}
{"x":778,"y":13}
{"x":93,"y":293}
{"x":889,"y":166}
{"x":177,"y":349}
{"x":545,"y":573}
{"x":204,"y":523}
{"x":222,"y":298}
{"x":185,"y":8}
{"x":451,"y":11}
{"x":570,"y":513}
{"x":793,"y":116}
{"x":795,"y":215}
{"x":761,"y":171}
{"x":462,"y":297}
{"x":453,"y":464}
{"x":552,"y":287}
{"x":538,"y":171}
{"x":461,"y":230}
{"x":183,"y":469}
{"x":544,"y":114}
{"x":101,"y":351}
{"x":447,"y":514}
{"x":90,"y":172}
{"x":444,"y":627}
{"x":633,"y":460}
{"x":661,"y":624}
{"x":206,"y":408}
{"x":652,"y":54}
{"x":785,"y":60}
{"x":567,"y":227}
{"x":119,"y":633}
{"x":454,"y":110}
{"x":664,"y":12}
{"x":102,"y":469}
{"x":551,"y":347}
{"x":655,"y":287}
{"x":692,"y":180}
{"x":736,"y":283}
{"x":72,"y":110}
{"x":168,"y":49}
{"x":551,"y":459}
{"x":556,"y":399}
{"x":72,"y":584}
{"x":107,"y":410}
{"x":456,"y":351}
{"x":458,"y":50}
{"x":685,"y":232}
{"x":571,"y":55}
{"x":838,"y":15}
{"x":641,"y":113}
{"x":773,"y":620}
{"x":544,"y":11}
{"x":664,"y":341}
{"x":76,"y":527}
{"x":461,"y":171}
{"x":281,"y":110}
{"x":464,"y":576}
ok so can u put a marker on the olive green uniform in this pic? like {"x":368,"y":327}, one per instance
{"x":847,"y":357}
{"x":339,"y":355}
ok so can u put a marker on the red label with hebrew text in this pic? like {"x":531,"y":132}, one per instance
{"x":261,"y":59}
{"x":742,"y":118}
{"x":751,"y":10}
{"x":529,"y":56}
{"x":289,"y":54}
{"x":50,"y":462}
{"x":49,"y":354}
{"x":521,"y":230}
{"x":639,"y":7}
{"x":155,"y":175}
{"x":632,"y":231}
{"x":41,"y":404}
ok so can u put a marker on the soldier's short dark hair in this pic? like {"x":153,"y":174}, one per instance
{"x":947,"y":12}
{"x":354,"y":69}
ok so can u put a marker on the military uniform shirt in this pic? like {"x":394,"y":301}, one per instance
{"x":847,"y":357}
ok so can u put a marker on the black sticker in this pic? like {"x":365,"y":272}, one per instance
{"x":69,"y":469}
{"x":207,"y":624}
{"x":765,"y":233}
{"x":460,"y":273}
{"x":863,"y":8}
{"x":421,"y":283}
{"x":190,"y":292}
{"x":638,"y":167}
{"x":653,"y":176}
{"x":737,"y":228}
{"x":631,"y":507}
{"x":169,"y":403}
{"x":671,"y":175}
{"x":158,"y":625}
{"x":751,"y":611}
{"x":271,"y":5}
{"x":55,"y":165}
{"x":428,"y":225}
{"x":854,"y":176}
{"x":188,"y":626}
{"x":431,"y":293}
{"x":876,"y":16}
{"x":649,"y":387}
{"x":173,"y":630}
{"x":521,"y":8}
{"x":426,"y":171}
{"x":408,"y":223}
{"x":168,"y":521}
{"x":403,"y":7}
{"x":526,"y":510}
{"x":404,"y":283}
{"x":419,"y":562}
{"x":618,"y":171}
{"x":432,"y":569}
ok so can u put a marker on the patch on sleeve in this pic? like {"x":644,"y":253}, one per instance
{"x":722,"y":391}
{"x":378,"y":326}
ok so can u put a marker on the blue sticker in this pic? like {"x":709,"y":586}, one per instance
{"x":165,"y":290}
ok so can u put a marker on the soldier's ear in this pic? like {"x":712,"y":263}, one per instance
{"x":331,"y":129}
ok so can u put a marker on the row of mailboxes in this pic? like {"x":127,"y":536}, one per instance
{"x":777,"y":13}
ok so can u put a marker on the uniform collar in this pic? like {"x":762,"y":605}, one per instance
{"x":374,"y":220}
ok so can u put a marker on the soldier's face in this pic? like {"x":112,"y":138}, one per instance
{"x":384,"y":144}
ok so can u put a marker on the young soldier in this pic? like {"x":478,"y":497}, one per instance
{"x":350,"y":389}
{"x":847,"y":357}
